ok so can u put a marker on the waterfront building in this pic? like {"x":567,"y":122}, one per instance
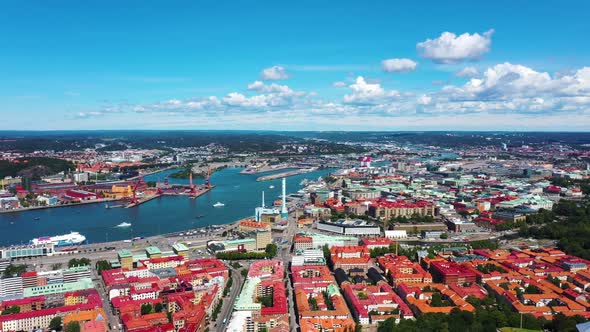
{"x":248,"y":226}
{"x":153,"y":252}
{"x":181,"y":250}
{"x":125,"y":259}
{"x":44,"y":249}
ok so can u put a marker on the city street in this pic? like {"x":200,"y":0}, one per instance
{"x":228,"y":301}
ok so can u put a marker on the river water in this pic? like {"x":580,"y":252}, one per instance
{"x":240,"y":193}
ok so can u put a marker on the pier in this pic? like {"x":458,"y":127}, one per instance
{"x":264,"y":169}
{"x":286,"y":174}
{"x":196,"y":194}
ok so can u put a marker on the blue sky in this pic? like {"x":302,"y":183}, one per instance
{"x":346,"y":65}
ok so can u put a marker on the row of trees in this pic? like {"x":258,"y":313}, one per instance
{"x":56,"y":324}
{"x":79,"y":262}
{"x":269,"y":252}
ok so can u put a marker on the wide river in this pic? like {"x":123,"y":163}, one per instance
{"x":240,"y":193}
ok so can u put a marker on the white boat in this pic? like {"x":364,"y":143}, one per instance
{"x":218,"y":204}
{"x":73,"y":238}
{"x":123,"y":224}
{"x":271,"y":187}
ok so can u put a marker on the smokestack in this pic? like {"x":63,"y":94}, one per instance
{"x":284,"y":212}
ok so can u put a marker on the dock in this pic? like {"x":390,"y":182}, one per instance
{"x":149,"y":198}
{"x":264,"y":169}
{"x":286,"y":174}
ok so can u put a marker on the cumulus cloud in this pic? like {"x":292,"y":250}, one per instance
{"x":424,"y":100}
{"x":512,"y":87}
{"x":450,"y":48}
{"x":368,"y":93}
{"x":274,"y":73}
{"x":502,"y":93}
{"x":398,"y":65}
{"x":269,"y":88}
{"x":467,"y":72}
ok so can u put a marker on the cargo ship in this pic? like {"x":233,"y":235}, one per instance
{"x":74,"y":238}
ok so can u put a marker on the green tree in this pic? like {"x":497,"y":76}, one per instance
{"x":271,"y":250}
{"x":103,"y":265}
{"x":55,"y":324}
{"x":15,"y":270}
{"x":159,"y":307}
{"x":73,"y":327}
{"x":11,"y":310}
{"x":146,"y":308}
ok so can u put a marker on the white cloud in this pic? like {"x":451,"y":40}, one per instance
{"x":424,"y":100}
{"x":467,"y":72}
{"x":398,"y":65}
{"x":339,"y":84}
{"x":261,"y":87}
{"x":500,"y":94}
{"x":274,"y":73}
{"x":367,"y":93}
{"x":450,"y":48}
{"x":517,"y":88}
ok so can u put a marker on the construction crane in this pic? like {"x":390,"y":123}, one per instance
{"x":208,"y":179}
{"x":138,"y":183}
{"x":192,"y":189}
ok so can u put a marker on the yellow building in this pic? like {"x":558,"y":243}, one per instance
{"x":263,"y":238}
{"x":118,"y":191}
{"x":125,"y":259}
{"x":181,"y":250}
{"x":153,"y":252}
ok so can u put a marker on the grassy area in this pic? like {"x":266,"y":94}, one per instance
{"x":516,"y":329}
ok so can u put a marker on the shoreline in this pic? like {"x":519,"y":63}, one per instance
{"x":32,"y":208}
{"x":122,"y":244}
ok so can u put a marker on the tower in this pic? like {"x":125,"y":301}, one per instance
{"x":284,"y":212}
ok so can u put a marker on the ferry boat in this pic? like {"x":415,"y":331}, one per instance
{"x":123,"y":224}
{"x":218,"y":204}
{"x":74,"y":238}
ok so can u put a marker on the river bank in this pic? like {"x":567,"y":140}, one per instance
{"x":32,"y":208}
{"x":166,"y":214}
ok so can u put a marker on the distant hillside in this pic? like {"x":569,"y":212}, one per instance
{"x":34,"y":168}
